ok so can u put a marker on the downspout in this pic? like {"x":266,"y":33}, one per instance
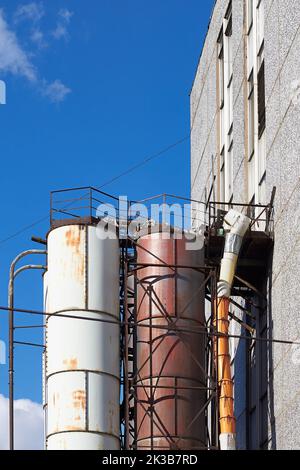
{"x":236,"y":225}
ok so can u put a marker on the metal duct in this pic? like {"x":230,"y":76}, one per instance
{"x":236,"y":225}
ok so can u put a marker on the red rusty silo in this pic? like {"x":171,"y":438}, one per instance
{"x":170,"y":377}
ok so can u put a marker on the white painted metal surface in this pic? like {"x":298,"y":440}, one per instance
{"x":82,"y":356}
{"x":45,"y":277}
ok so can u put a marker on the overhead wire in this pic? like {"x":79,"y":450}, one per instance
{"x":197,"y":330}
{"x":120,"y":175}
{"x":106,"y":183}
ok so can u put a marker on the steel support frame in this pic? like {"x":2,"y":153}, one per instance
{"x":130,"y":399}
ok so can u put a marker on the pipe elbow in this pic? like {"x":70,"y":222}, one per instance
{"x":236,"y":223}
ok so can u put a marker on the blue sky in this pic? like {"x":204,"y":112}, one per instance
{"x":93,"y":87}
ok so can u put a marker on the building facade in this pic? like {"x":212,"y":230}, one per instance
{"x":245,"y":140}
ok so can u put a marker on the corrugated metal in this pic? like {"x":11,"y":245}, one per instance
{"x":82,"y":357}
{"x":169,"y":364}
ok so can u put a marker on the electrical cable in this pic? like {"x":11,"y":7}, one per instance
{"x":134,"y":167}
{"x":126,"y":172}
{"x":202,"y":330}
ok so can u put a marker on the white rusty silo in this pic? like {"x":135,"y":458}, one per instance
{"x":82,"y":364}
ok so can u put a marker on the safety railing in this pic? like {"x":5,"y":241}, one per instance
{"x":262,"y":216}
{"x":83,"y":202}
{"x":177,"y":211}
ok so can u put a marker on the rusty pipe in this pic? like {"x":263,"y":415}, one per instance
{"x":225,"y":382}
{"x":235,"y":225}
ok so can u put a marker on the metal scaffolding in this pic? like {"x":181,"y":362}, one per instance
{"x":82,"y":206}
{"x":129,"y":430}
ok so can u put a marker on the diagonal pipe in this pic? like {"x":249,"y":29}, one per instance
{"x":235,"y":225}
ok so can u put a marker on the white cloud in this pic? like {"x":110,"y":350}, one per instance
{"x":31,"y":11}
{"x":29,"y":424}
{"x":64,"y":18}
{"x":65,"y":14}
{"x":56,"y":91}
{"x":37,"y":37}
{"x":60,"y":32}
{"x":13,"y":58}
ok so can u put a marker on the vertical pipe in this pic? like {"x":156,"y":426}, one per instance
{"x":225,"y":382}
{"x":12,"y":275}
{"x":91,"y":203}
{"x":11,"y":366}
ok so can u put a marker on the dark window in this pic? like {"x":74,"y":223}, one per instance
{"x":228,"y":11}
{"x":221,"y":68}
{"x":228,"y":34}
{"x":250,"y":117}
{"x":228,"y":31}
{"x":261,"y":100}
{"x":228,"y":17}
{"x":251,"y":210}
{"x":250,"y":14}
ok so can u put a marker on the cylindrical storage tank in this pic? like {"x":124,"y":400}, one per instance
{"x":82,"y":356}
{"x":170,"y":376}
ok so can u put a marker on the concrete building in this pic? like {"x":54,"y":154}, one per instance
{"x":245,"y":139}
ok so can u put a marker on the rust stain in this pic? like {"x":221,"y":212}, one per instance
{"x":74,"y":428}
{"x":172,"y":359}
{"x":71,"y":363}
{"x":73,"y":237}
{"x":79,"y":399}
{"x":81,"y":267}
